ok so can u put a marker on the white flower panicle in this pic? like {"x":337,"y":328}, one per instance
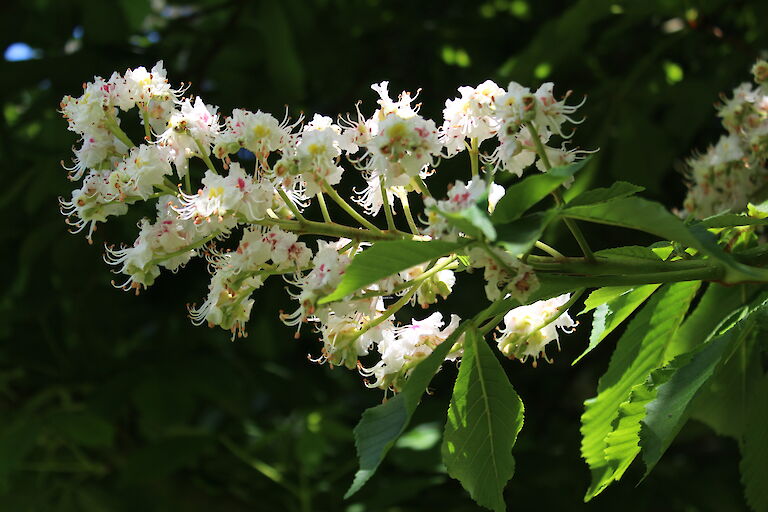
{"x":528,"y":329}
{"x":733,"y":172}
{"x":257,"y":177}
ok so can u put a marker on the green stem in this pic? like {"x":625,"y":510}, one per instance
{"x":608,"y":266}
{"x":422,"y":186}
{"x":188,"y":182}
{"x":473,"y":156}
{"x":549,"y":250}
{"x":572,"y":226}
{"x":147,"y":130}
{"x":309,"y":227}
{"x":347,"y":208}
{"x":387,"y":207}
{"x":323,"y":207}
{"x":294,"y":209}
{"x":112,"y":126}
{"x":407,"y":209}
{"x":205,"y":157}
{"x":402,"y":301}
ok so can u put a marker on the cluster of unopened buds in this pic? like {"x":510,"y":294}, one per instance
{"x":733,"y":172}
{"x":280,"y":168}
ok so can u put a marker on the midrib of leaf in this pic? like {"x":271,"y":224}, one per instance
{"x":487,"y":411}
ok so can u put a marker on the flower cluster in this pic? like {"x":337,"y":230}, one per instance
{"x":247,"y":221}
{"x":733,"y":172}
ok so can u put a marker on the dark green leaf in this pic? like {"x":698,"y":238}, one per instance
{"x":380,"y":426}
{"x":728,"y":220}
{"x":85,"y":428}
{"x":484,"y":419}
{"x":472,"y":221}
{"x":600,"y":195}
{"x":529,"y":191}
{"x":754,"y":451}
{"x":667,"y":413}
{"x":518,"y":236}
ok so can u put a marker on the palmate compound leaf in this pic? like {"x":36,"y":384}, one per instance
{"x":385,"y":258}
{"x":638,"y":352}
{"x":484,"y":418}
{"x":520,"y":196}
{"x":670,"y":390}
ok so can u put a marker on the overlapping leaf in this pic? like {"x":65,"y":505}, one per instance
{"x":639,"y":351}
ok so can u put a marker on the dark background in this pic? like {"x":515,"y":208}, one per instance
{"x":110,"y":402}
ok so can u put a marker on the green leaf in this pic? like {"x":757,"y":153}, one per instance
{"x":603,"y":295}
{"x":608,"y":316}
{"x":639,"y":351}
{"x":717,"y":303}
{"x":380,"y":426}
{"x":729,"y":220}
{"x":472,"y":221}
{"x":600,"y":195}
{"x":634,"y":252}
{"x":529,"y":191}
{"x":754,"y":450}
{"x":643,"y":215}
{"x":667,"y":413}
{"x":484,"y":419}
{"x":621,"y":444}
{"x":385,"y":258}
{"x":518,"y":236}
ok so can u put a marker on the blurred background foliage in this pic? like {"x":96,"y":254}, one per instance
{"x":110,"y":402}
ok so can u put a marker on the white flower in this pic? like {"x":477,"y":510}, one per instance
{"x":166,"y":243}
{"x":473,"y":115}
{"x":516,"y":105}
{"x":403,"y":147}
{"x":504,"y":272}
{"x":550,"y":113}
{"x":494,"y":195}
{"x":528,"y":329}
{"x":144,"y":167}
{"x":460,"y":197}
{"x":404,"y":347}
{"x":228,"y":303}
{"x":190,"y":132}
{"x":222,"y":198}
{"x":258,"y":132}
{"x":316,"y":154}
